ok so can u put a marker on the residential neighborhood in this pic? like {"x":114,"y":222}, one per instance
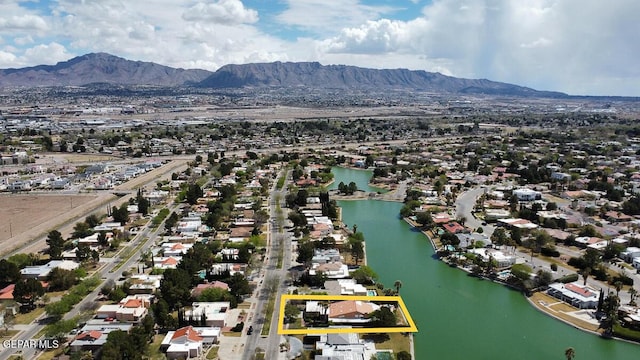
{"x":180,"y":237}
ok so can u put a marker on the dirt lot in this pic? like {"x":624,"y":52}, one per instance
{"x":29,"y":217}
{"x":22,"y":213}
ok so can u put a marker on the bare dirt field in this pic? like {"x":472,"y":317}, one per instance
{"x":20,"y":213}
{"x":27,"y":218}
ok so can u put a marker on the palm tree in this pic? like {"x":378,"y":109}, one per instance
{"x":634,"y":294}
{"x":569,"y":353}
{"x":618,"y":285}
{"x":397,"y":284}
{"x":585,"y":275}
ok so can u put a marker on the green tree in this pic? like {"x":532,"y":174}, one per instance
{"x":92,"y":220}
{"x":216,"y":294}
{"x":81,"y":230}
{"x":356,"y":247}
{"x":61,"y":279}
{"x":569,"y":353}
{"x":175,"y":287}
{"x":9,"y":273}
{"x":27,"y":292}
{"x":305,"y":252}
{"x":499,"y":237}
{"x":610,"y":308}
{"x":22,"y":260}
{"x":425,"y":219}
{"x":56,"y":244}
{"x":291,"y":312}
{"x":239,"y":286}
{"x":83,"y":252}
{"x":382,"y":317}
{"x":143,"y":203}
{"x":194,"y":192}
{"x":403,"y":355}
{"x":120,"y":214}
{"x":397,"y":285}
{"x":120,"y":346}
{"x":365,"y":275}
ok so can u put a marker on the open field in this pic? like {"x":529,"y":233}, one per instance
{"x":27,"y":218}
{"x":23,"y":212}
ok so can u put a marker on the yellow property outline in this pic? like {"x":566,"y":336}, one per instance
{"x":364,"y":330}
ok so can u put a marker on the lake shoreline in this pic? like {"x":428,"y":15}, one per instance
{"x":577,"y":323}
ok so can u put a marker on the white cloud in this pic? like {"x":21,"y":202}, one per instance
{"x":547,"y":44}
{"x":228,"y":12}
{"x":7,"y":59}
{"x":576,"y":46}
{"x":23,"y":22}
{"x":327,"y":16}
{"x":45,"y":54}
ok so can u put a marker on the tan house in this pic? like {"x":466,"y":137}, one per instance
{"x":351,"y":311}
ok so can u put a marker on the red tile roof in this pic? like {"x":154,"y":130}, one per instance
{"x":89,"y":335}
{"x":187,"y":331}
{"x":7,"y":292}
{"x":579,"y":290}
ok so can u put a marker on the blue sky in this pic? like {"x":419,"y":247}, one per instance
{"x":586,"y":47}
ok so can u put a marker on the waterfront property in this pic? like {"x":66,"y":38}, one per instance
{"x":580,"y":296}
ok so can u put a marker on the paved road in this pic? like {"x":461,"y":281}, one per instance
{"x":464,"y":207}
{"x":147,"y":236}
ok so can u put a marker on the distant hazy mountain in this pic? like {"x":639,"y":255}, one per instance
{"x":100,"y":68}
{"x":109,"y":69}
{"x":313,"y":74}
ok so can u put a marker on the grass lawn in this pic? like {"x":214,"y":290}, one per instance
{"x":232,"y":334}
{"x":268,"y":313}
{"x":29,"y":317}
{"x":154,"y":348}
{"x":213,"y":353}
{"x":50,"y":354}
{"x":395,"y":342}
{"x":244,"y":305}
{"x":6,"y":335}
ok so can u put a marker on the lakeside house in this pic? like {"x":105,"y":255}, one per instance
{"x":351,"y":311}
{"x":580,"y":296}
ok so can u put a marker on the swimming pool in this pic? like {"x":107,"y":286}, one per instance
{"x":372,"y":293}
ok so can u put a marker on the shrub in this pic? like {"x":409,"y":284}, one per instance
{"x":238,"y":328}
{"x":549,"y":252}
{"x":625,"y":280}
{"x":568,"y":278}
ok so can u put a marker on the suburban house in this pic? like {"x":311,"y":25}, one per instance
{"x":334,"y":270}
{"x":175,"y":249}
{"x":42,"y":272}
{"x":91,"y":340}
{"x":345,"y":287}
{"x":582,"y":297}
{"x":351,"y":311}
{"x":629,"y":254}
{"x":196,"y":291}
{"x":527,"y":194}
{"x":144,"y":284}
{"x":131,"y":309}
{"x":6,"y":293}
{"x":502,"y":260}
{"x":166,"y":262}
{"x":344,"y":346}
{"x":214,"y":312}
{"x":184,"y":343}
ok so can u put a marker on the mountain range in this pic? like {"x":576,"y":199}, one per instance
{"x":110,"y":69}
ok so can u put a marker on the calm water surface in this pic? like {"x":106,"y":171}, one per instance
{"x":461,"y":317}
